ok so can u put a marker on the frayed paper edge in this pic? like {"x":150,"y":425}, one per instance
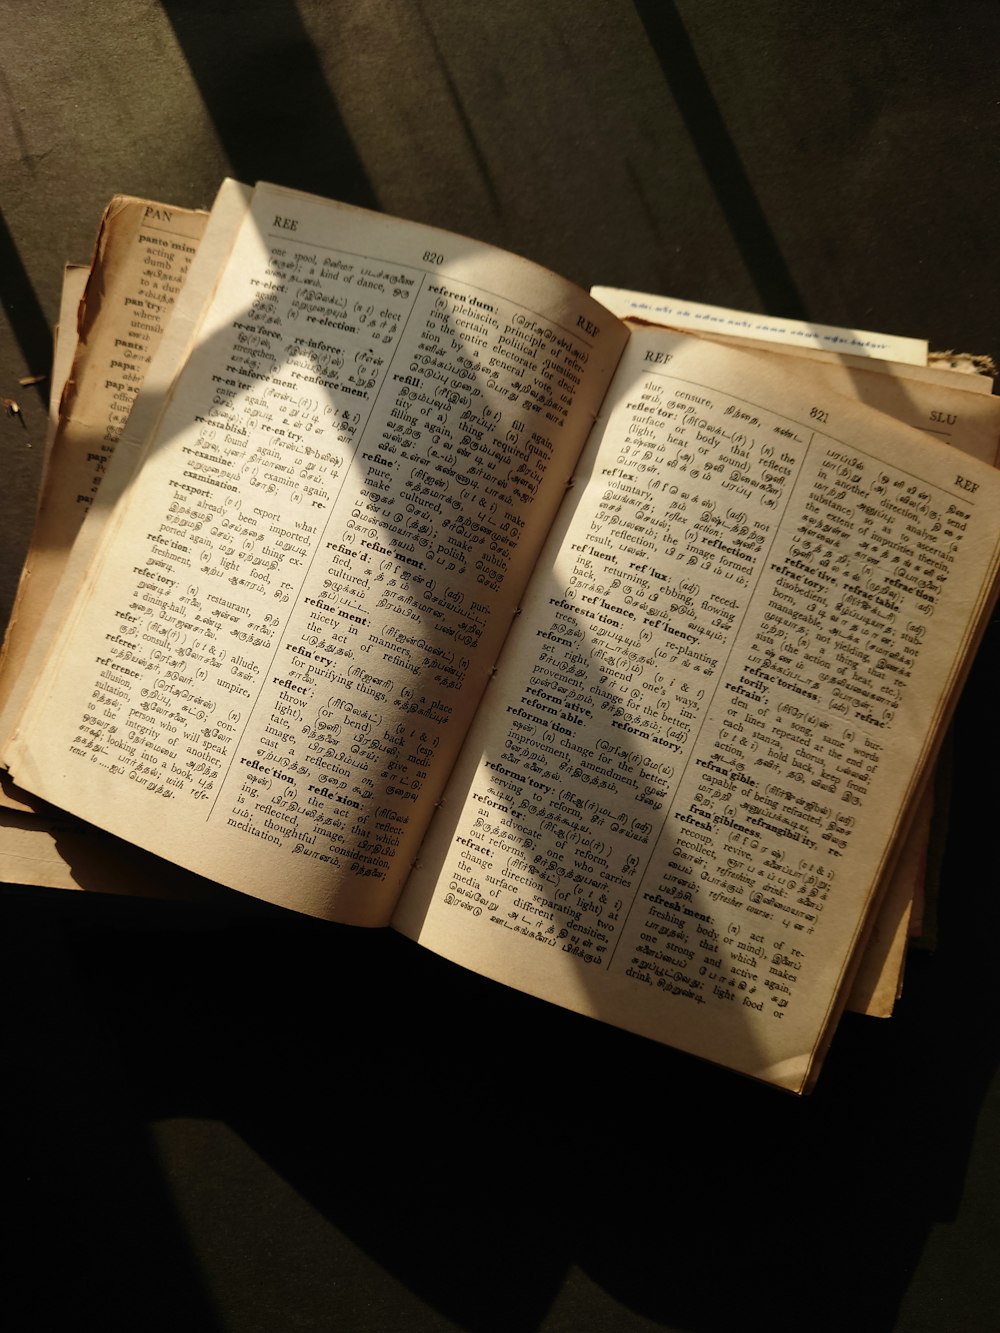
{"x":965,"y":362}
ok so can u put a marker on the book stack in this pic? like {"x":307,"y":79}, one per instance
{"x":601,"y":643}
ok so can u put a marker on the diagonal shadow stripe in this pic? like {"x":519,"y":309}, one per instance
{"x":722,"y":163}
{"x":464,"y":119}
{"x":23,"y":310}
{"x":264,"y":88}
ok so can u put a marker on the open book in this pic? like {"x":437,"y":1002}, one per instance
{"x":422,"y":590}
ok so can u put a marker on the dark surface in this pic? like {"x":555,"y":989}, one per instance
{"x":229,"y":1118}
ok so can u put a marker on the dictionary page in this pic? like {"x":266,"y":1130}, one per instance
{"x":894,"y":377}
{"x":38,"y":844}
{"x":727,"y":682}
{"x":298,"y":600}
{"x":141,"y":258}
{"x":940,"y":403}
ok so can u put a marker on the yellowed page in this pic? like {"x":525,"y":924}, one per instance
{"x":64,"y":342}
{"x":725,"y":687}
{"x":126,"y":459}
{"x":969,"y":422}
{"x":141,"y":258}
{"x":955,"y":408}
{"x":699,"y":318}
{"x":852,"y":348}
{"x":33,"y":849}
{"x":296,"y":604}
{"x":879,"y":979}
{"x":941,"y":406}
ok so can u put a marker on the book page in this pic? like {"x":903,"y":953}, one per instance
{"x":64,"y":344}
{"x":936,"y":401}
{"x":854,"y":349}
{"x":878,"y":982}
{"x":40,"y":845}
{"x":126,"y":458}
{"x":956,"y":408}
{"x":141,"y":259}
{"x":943,"y":408}
{"x":724,"y":689}
{"x":300,"y":597}
{"x":697,"y":317}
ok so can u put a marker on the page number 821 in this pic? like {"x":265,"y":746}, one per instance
{"x":819,"y":414}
